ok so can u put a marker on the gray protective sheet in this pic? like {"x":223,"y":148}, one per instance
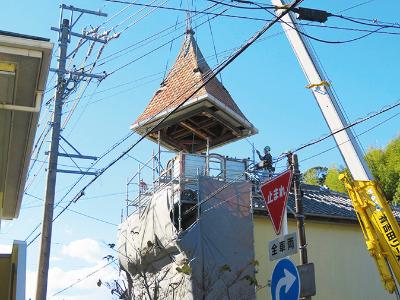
{"x":220,"y":244}
{"x":146,"y":242}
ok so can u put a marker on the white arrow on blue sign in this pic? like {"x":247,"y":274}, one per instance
{"x":285,"y":282}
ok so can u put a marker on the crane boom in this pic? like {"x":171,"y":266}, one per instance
{"x":379,"y":226}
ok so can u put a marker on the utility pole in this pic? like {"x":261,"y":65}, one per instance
{"x":47,"y":224}
{"x":301,"y":232}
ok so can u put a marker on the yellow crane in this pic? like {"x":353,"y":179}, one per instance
{"x":379,"y":226}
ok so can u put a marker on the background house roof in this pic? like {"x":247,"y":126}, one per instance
{"x":321,"y":203}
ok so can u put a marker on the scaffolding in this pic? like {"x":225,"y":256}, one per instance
{"x":180,"y":174}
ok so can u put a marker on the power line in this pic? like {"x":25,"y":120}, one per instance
{"x":243,"y":7}
{"x":91,"y":217}
{"x":368,"y":32}
{"x":373,"y":24}
{"x":357,"y":5}
{"x":148,"y":39}
{"x":362,"y":133}
{"x":123,"y":84}
{"x":84,"y":278}
{"x":150,"y":52}
{"x":79,"y":180}
{"x":180,"y":9}
{"x":258,"y":19}
{"x":359,"y":121}
{"x":283,"y":155}
{"x":74,"y":211}
{"x":312,"y":37}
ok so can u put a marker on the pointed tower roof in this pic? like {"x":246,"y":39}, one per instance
{"x":188,"y":73}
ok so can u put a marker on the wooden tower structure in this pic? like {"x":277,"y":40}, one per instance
{"x":207,"y":120}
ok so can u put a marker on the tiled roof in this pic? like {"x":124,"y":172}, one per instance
{"x":189,"y":71}
{"x":324,"y":203}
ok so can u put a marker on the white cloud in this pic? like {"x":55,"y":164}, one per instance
{"x":85,"y":289}
{"x":88,"y":250}
{"x":91,"y":252}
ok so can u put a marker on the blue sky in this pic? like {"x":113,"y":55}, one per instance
{"x":266,"y":82}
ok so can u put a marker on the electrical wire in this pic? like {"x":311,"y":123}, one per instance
{"x":356,"y":5}
{"x":170,"y":47}
{"x":359,"y":121}
{"x":214,"y":47}
{"x":125,"y":83}
{"x":357,"y":135}
{"x":313,"y":37}
{"x":284,"y":155}
{"x":243,"y":7}
{"x":149,"y":52}
{"x":314,"y":25}
{"x":84,"y":278}
{"x":78,"y":98}
{"x":145,"y":40}
{"x":114,"y":146}
{"x":374,"y":24}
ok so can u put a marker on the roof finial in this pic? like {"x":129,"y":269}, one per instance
{"x":189,"y":29}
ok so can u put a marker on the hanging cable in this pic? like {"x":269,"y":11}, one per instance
{"x":214,"y":47}
{"x":170,"y":47}
{"x":84,"y":278}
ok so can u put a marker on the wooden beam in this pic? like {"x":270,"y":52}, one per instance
{"x":184,"y":132}
{"x":209,"y":112}
{"x":186,"y":142}
{"x":173,"y":142}
{"x":194,"y":130}
{"x":173,"y":119}
{"x":204,"y":126}
{"x":222,"y":139}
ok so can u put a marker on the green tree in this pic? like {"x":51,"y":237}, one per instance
{"x":385,"y":166}
{"x":332,"y":180}
{"x":315,"y":175}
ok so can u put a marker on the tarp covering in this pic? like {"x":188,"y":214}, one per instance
{"x":212,"y":259}
{"x":220,"y":244}
{"x":146,"y":241}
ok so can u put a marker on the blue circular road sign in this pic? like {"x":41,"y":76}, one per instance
{"x":285,"y":282}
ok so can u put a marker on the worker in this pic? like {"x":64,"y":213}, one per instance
{"x":143,"y":186}
{"x":266,"y":159}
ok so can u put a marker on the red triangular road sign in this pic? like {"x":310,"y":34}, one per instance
{"x":275,"y":193}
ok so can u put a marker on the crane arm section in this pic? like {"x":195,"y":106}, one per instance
{"x":323,"y":94}
{"x":379,"y":226}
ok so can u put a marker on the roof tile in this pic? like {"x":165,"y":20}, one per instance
{"x":189,"y":71}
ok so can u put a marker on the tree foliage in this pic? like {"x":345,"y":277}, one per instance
{"x":385,"y":166}
{"x":315,"y":175}
{"x":383,"y":163}
{"x":332,"y":180}
{"x":323,"y":176}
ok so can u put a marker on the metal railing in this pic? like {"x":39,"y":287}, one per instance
{"x":180,"y":173}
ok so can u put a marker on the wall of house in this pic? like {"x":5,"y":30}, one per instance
{"x":5,"y":272}
{"x":343,"y":266}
